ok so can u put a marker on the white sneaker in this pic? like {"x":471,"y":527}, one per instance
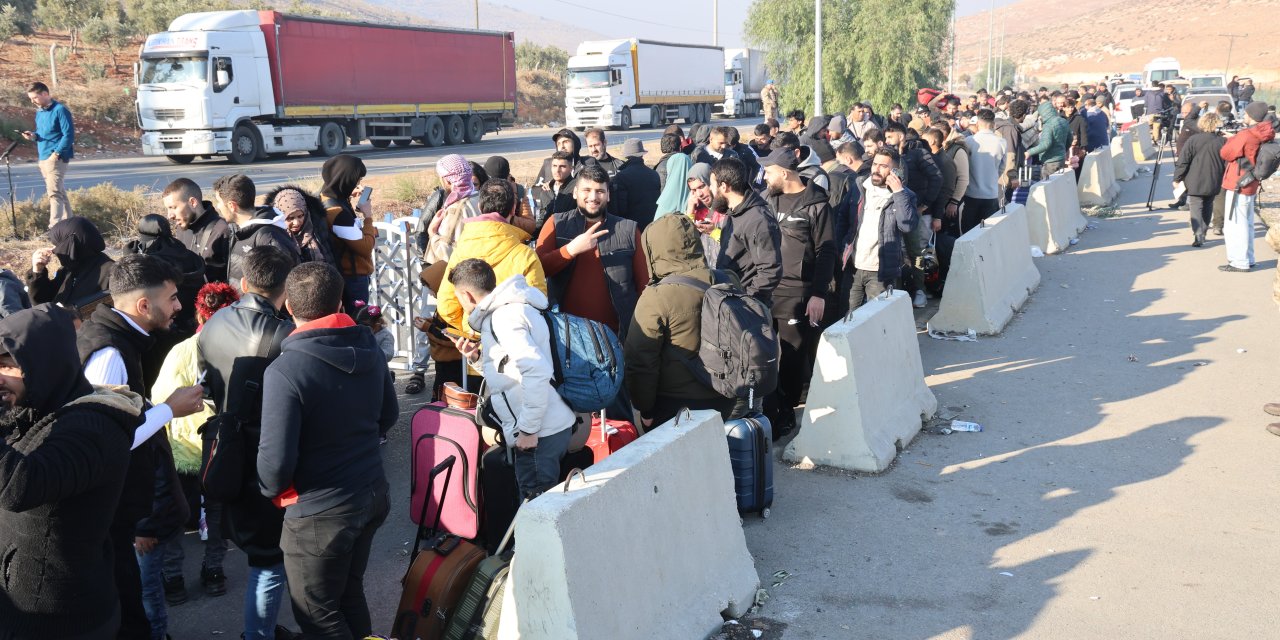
{"x":920,"y":300}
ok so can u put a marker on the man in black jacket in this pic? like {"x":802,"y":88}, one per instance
{"x":1200,"y":169}
{"x":750,"y":241}
{"x":64,"y":453}
{"x":808,"y":264}
{"x":197,"y":226}
{"x":716,"y":147}
{"x":331,"y":480}
{"x":635,"y":188}
{"x":233,"y":197}
{"x":555,"y":194}
{"x":234,"y":349}
{"x":816,"y":137}
{"x":598,"y":151}
{"x":568,"y":142}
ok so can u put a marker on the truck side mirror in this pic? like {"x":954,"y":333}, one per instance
{"x":221,"y":79}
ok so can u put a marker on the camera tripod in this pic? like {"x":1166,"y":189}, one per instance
{"x":13,"y":202}
{"x":1166,"y":142}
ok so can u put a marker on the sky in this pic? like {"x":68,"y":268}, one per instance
{"x":686,"y":21}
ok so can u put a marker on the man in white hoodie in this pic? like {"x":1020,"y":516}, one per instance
{"x":516,"y":342}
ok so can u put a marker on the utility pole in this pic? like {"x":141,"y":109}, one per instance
{"x":1226,"y":71}
{"x":999,"y":60}
{"x":477,"y":15}
{"x":951,"y":70}
{"x":817,"y":57}
{"x":991,"y":36}
{"x":715,"y":22}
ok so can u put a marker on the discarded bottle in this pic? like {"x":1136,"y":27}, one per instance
{"x":961,"y":425}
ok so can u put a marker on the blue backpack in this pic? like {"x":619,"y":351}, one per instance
{"x":587,"y":358}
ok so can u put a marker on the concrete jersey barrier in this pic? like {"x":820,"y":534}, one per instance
{"x":1143,"y":147}
{"x":867,"y":395}
{"x":1053,"y":213}
{"x":1122,"y":160}
{"x":991,"y":276}
{"x":1098,"y":179}
{"x":649,"y":546}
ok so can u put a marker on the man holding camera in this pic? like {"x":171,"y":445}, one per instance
{"x":54,"y":136}
{"x":1240,"y":153}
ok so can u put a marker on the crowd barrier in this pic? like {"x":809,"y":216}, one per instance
{"x":1143,"y":148}
{"x":1053,"y":213}
{"x":867,"y":395}
{"x":1122,"y":161}
{"x":648,"y":545}
{"x":991,"y":276}
{"x":395,"y":286}
{"x":1097,"y":179}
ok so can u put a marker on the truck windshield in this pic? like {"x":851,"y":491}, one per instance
{"x":588,"y":78}
{"x":1206,"y":82}
{"x":174,"y":70}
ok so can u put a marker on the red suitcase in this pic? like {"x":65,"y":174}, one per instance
{"x":608,"y":436}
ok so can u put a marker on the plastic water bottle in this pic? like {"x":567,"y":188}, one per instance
{"x":961,"y":425}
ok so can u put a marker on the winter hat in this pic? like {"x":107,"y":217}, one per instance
{"x":1257,"y":110}
{"x":701,"y":171}
{"x":289,"y":200}
{"x":837,"y":125}
{"x":497,"y":167}
{"x":455,"y":170}
{"x":632,"y":148}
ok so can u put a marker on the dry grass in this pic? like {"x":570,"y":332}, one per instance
{"x":540,"y":96}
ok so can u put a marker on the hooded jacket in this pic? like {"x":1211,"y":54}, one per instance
{"x":666,"y":329}
{"x":808,"y":253}
{"x":634,"y":192}
{"x":1015,"y":151}
{"x":501,"y":246}
{"x":751,"y":247}
{"x":1244,"y":145}
{"x":85,"y":271}
{"x":544,"y":174}
{"x":923,"y":177}
{"x":811,"y":170}
{"x":899,"y":217}
{"x":155,"y":239}
{"x":1055,"y":135}
{"x":64,"y":453}
{"x":209,"y":236}
{"x":813,"y":139}
{"x":1200,"y":167}
{"x":331,"y":383}
{"x":315,"y":244}
{"x":516,"y":342}
{"x":1079,"y":130}
{"x":266,"y":229}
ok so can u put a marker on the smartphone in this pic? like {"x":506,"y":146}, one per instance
{"x":454,"y":333}
{"x":365,"y":193}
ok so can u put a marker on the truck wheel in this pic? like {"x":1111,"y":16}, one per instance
{"x":626,"y":119}
{"x":332,"y":139}
{"x":380,"y":144}
{"x":455,"y":131}
{"x":475,"y":129}
{"x":404,"y":142}
{"x":706,"y":113}
{"x":181,"y":159}
{"x":244,"y":146}
{"x":433,"y":132}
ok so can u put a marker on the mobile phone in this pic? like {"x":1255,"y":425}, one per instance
{"x":364,"y":196}
{"x":454,"y":333}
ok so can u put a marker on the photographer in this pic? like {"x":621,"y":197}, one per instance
{"x":1199,"y":169}
{"x":1240,"y":153}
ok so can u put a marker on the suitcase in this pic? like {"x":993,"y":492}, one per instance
{"x":608,"y":436}
{"x":751,"y":456}
{"x":437,"y":432}
{"x":500,"y":493}
{"x":439,"y":575}
{"x":477,"y":615}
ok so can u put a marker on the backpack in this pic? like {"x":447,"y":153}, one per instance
{"x":587,"y":360}
{"x":1267,"y":160}
{"x":739,"y":353}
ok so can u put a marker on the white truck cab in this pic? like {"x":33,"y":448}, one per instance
{"x":595,"y":93}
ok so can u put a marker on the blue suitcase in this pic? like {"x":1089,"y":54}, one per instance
{"x":751,"y":456}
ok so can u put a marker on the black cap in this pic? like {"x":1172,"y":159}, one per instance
{"x":780,"y":157}
{"x":497,"y":167}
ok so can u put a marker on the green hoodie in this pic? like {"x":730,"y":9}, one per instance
{"x":1055,"y":136}
{"x":667,"y":325}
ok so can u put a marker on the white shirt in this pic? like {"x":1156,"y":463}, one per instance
{"x":106,"y":367}
{"x":867,"y":250}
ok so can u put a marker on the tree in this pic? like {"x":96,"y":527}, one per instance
{"x":72,"y":15}
{"x":878,"y":51}
{"x":109,"y":32}
{"x":1008,"y":73}
{"x":154,"y":16}
{"x":539,"y":58}
{"x":10,"y":25}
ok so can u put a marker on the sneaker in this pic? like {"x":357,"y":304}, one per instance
{"x":1230,"y":269}
{"x":214,"y":581}
{"x":1274,"y":428}
{"x":175,"y":590}
{"x":1197,"y":242}
{"x":920,"y":300}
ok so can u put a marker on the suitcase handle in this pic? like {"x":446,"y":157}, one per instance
{"x":445,"y":467}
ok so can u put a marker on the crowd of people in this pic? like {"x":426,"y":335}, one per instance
{"x":243,"y":325}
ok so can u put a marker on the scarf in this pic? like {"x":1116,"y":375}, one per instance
{"x":676,"y":192}
{"x":455,"y":170}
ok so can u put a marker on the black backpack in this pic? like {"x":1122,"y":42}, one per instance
{"x":739,"y":352}
{"x":1265,"y":167}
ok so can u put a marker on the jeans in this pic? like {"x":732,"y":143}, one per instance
{"x":864,"y":285}
{"x":357,"y":288}
{"x":975,"y":211}
{"x":263,"y":595}
{"x":1201,"y":208}
{"x":1237,"y":229}
{"x":325,"y":557}
{"x":150,"y":566}
{"x":422,"y":346}
{"x":539,"y":469}
{"x":134,"y":624}
{"x":55,"y":172}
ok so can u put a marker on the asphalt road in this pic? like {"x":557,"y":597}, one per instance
{"x":154,"y":173}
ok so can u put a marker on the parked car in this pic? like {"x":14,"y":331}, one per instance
{"x":1125,"y":96}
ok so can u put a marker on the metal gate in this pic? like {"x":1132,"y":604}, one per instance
{"x":395,"y":286}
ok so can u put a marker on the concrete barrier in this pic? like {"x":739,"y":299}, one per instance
{"x":991,"y":276}
{"x":1143,"y":148}
{"x":1122,"y":160}
{"x":1053,"y":213}
{"x":867,"y":395}
{"x":649,"y":546}
{"x":1097,"y":179}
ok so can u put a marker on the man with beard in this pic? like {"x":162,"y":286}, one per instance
{"x":750,"y":242}
{"x":197,"y":225}
{"x":887,"y":211}
{"x":566,"y":141}
{"x":64,"y":452}
{"x":251,"y":226}
{"x":592,"y":259}
{"x":808,"y":264}
{"x":556,"y":193}
{"x":113,"y":346}
{"x":598,"y":150}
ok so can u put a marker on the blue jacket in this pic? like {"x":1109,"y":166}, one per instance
{"x":1099,"y":128}
{"x":55,"y":133}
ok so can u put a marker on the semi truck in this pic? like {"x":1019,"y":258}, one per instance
{"x":252,"y":85}
{"x":744,"y":79}
{"x":620,"y":83}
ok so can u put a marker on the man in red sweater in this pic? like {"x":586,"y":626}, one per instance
{"x":593,"y":260}
{"x":1240,"y":153}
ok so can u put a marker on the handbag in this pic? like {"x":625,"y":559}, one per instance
{"x":223,"y":466}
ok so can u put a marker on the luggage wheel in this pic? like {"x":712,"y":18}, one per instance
{"x":764,"y":513}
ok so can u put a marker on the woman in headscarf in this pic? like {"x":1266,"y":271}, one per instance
{"x":675,"y":194}
{"x":155,"y":238}
{"x":85,"y":269}
{"x":463,"y":201}
{"x":353,"y":232}
{"x":306,"y":221}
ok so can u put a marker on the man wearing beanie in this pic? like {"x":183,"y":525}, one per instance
{"x":499,"y":168}
{"x":1240,"y":153}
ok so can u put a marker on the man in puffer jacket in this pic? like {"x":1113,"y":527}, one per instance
{"x":1055,"y":137}
{"x":518,"y":371}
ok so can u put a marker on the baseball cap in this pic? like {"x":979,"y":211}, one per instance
{"x":781,"y":157}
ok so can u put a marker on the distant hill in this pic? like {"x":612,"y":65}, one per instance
{"x":1078,"y":40}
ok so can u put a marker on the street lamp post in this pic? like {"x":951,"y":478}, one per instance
{"x":817,"y":57}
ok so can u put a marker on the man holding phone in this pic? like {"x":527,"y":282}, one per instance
{"x":887,"y":211}
{"x":54,"y":136}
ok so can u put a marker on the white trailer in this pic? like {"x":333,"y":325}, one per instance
{"x":744,"y":79}
{"x":618,"y":83}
